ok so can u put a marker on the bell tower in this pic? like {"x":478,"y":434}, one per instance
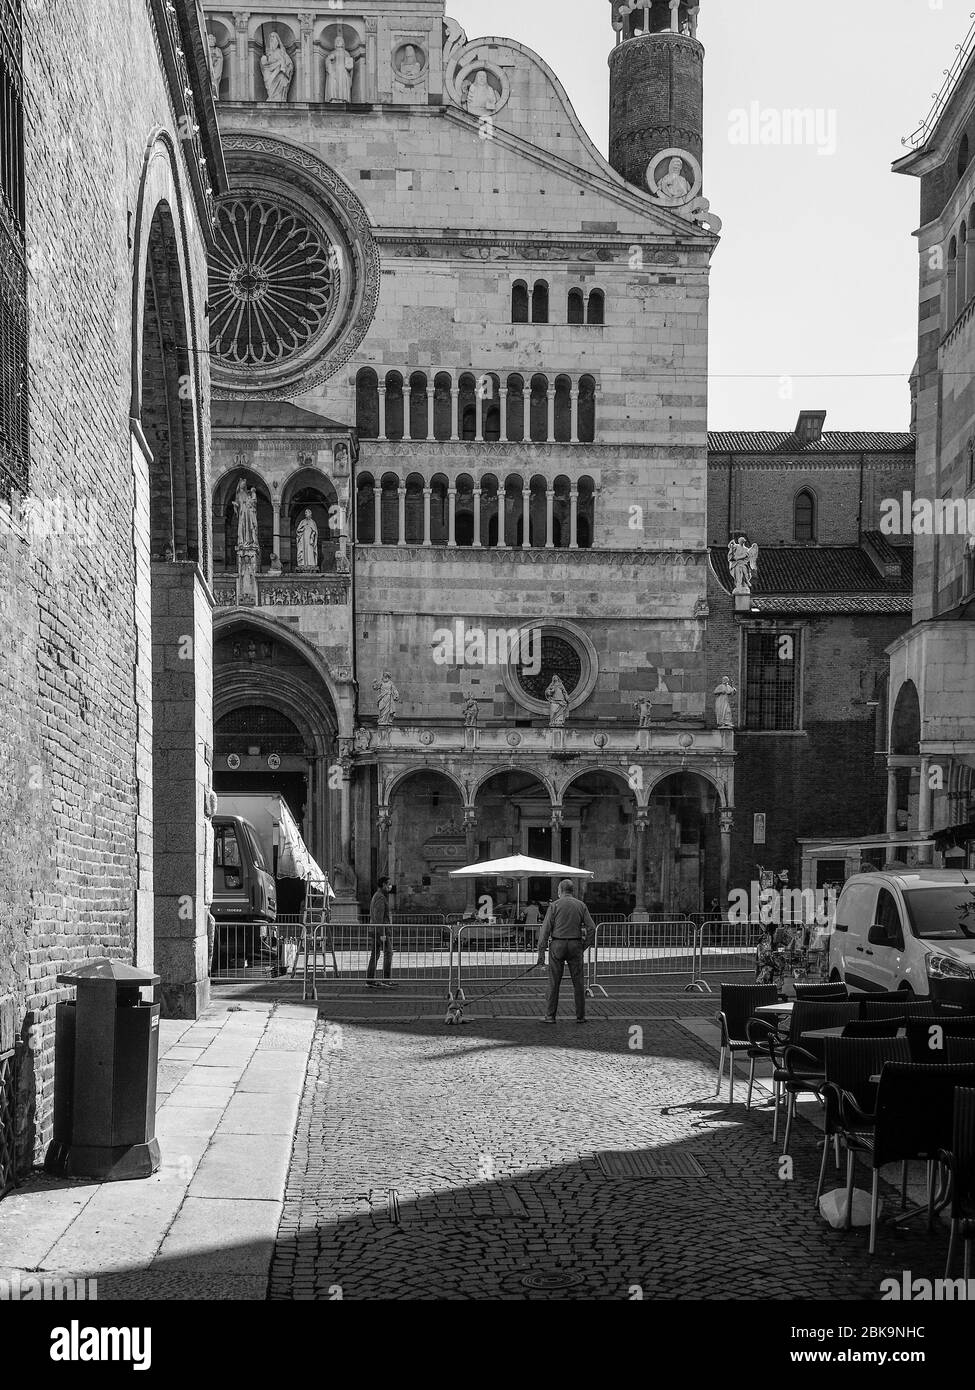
{"x":656,"y":84}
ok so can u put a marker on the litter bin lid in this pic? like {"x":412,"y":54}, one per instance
{"x":107,"y":972}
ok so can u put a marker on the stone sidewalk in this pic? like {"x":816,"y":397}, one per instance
{"x":204,"y":1226}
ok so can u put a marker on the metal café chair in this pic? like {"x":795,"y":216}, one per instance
{"x":960,"y":1160}
{"x":738,"y":1004}
{"x":821,"y":991}
{"x":852,"y":1064}
{"x":800,"y":1070}
{"x":913,"y":1120}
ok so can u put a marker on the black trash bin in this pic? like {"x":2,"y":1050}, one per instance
{"x":106,"y":1052}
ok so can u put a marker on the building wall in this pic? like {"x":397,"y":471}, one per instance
{"x":69,"y":702}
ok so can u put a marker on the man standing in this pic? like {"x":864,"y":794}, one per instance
{"x":380,"y":934}
{"x":569,"y":927}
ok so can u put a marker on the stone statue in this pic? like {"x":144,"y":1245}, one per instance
{"x":674,"y":185}
{"x":277,"y":69}
{"x":724,"y":716}
{"x":216,"y":63}
{"x":686,"y":31}
{"x":644,"y":706}
{"x":306,"y":541}
{"x":388,"y":695}
{"x":411,"y":66}
{"x":558,"y":703}
{"x":245,"y":505}
{"x":481,"y":99}
{"x":339,"y":66}
{"x":743,"y":563}
{"x":471,"y":712}
{"x":453,"y":36}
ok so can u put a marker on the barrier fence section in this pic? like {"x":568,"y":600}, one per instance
{"x":420,"y":951}
{"x":626,"y":949}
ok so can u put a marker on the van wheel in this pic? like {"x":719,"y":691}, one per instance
{"x":835,"y":978}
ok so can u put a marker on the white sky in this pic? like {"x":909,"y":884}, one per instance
{"x":816,"y":274}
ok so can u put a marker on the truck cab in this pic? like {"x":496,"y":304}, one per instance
{"x":243,"y":889}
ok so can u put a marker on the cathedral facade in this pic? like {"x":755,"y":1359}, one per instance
{"x":459,"y":485}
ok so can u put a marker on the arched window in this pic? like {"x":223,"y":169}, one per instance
{"x":539,"y":409}
{"x":962,"y":155}
{"x":804,"y":517}
{"x":466,"y":408}
{"x":516,"y":408}
{"x":519,"y":302}
{"x":596,"y":309}
{"x":418,"y":406}
{"x":563,"y":410}
{"x":442,"y":385}
{"x":587,"y":410}
{"x":367,"y":404}
{"x":394,"y":405}
{"x":576,"y":312}
{"x":365,"y":510}
{"x":540,"y":302}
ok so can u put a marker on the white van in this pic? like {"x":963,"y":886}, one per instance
{"x":910,"y":930}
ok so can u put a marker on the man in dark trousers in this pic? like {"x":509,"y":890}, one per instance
{"x":380,"y":934}
{"x":570,"y":929}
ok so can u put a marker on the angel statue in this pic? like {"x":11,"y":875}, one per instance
{"x":743,"y":563}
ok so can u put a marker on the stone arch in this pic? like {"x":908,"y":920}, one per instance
{"x":905,"y":722}
{"x":683,"y":818}
{"x":576,"y":307}
{"x":516,"y":408}
{"x":226,"y":621}
{"x":519,"y":302}
{"x":538,"y":409}
{"x":389,"y":485}
{"x":596,"y":308}
{"x":309,"y":490}
{"x":225,"y":520}
{"x":540,"y":301}
{"x":719,"y":788}
{"x":397,"y":779}
{"x":419,"y":422}
{"x":464,"y":510}
{"x":439,"y":516}
{"x":415,"y":484}
{"x":476,"y":784}
{"x":442,"y":405}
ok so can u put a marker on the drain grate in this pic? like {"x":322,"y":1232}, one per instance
{"x":629,"y":1164}
{"x":551,"y":1279}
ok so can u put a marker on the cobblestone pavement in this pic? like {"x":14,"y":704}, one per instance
{"x":436,"y":1163}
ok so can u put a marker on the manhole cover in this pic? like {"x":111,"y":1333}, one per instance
{"x":626,"y":1164}
{"x":551,"y":1279}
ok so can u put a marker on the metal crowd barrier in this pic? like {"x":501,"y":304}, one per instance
{"x":638,"y":950}
{"x":422,"y":951}
{"x":494,"y":951}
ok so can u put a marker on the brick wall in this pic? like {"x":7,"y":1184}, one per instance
{"x":68,"y":698}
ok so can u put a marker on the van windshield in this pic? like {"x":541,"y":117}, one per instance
{"x":255,"y":847}
{"x":942,"y":914}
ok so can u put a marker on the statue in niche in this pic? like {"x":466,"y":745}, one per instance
{"x":558,"y":703}
{"x":411,"y":66}
{"x":245,"y":505}
{"x":724,"y":716}
{"x":388,"y":696}
{"x":306,"y":543}
{"x":471,"y":712}
{"x":743,"y":563}
{"x":674,"y":185}
{"x":644,"y":708}
{"x":341,"y":457}
{"x":216,"y":63}
{"x":277,"y":69}
{"x":480,"y":98}
{"x":339,"y":67}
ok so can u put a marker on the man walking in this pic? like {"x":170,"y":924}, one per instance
{"x":380,"y":935}
{"x":569,"y":928}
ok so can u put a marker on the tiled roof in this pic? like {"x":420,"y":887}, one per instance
{"x":831,"y":442}
{"x":893,"y":554}
{"x":834,"y":603}
{"x":268,"y":415}
{"x":803,"y":570}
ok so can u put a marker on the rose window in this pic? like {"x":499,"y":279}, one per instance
{"x":558,"y":658}
{"x":274,"y":283}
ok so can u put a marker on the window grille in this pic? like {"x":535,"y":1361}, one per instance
{"x":771,"y":681}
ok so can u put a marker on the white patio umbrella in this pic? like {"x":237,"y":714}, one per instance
{"x":519,"y":867}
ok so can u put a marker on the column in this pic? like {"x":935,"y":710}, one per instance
{"x":427,"y":491}
{"x":675,"y":16}
{"x":345,"y":815}
{"x":384,"y":823}
{"x":377,"y":503}
{"x":382,"y":412}
{"x":430,"y":429}
{"x":502,"y":545}
{"x":641,"y":861}
{"x":549,"y":518}
{"x":407,"y":391}
{"x":401,"y":490}
{"x":891,"y":801}
{"x":574,"y":404}
{"x":477,"y":518}
{"x":727,"y":825}
{"x":276,"y":527}
{"x":306,"y":89}
{"x":451,"y":518}
{"x":550,"y":393}
{"x":240,"y":84}
{"x":924,"y":809}
{"x":478,"y":415}
{"x":573,"y":518}
{"x":526,"y":516}
{"x":503,"y":395}
{"x":454,"y":397}
{"x":470,"y":832}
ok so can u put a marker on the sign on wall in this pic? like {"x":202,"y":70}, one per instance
{"x":758,"y":828}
